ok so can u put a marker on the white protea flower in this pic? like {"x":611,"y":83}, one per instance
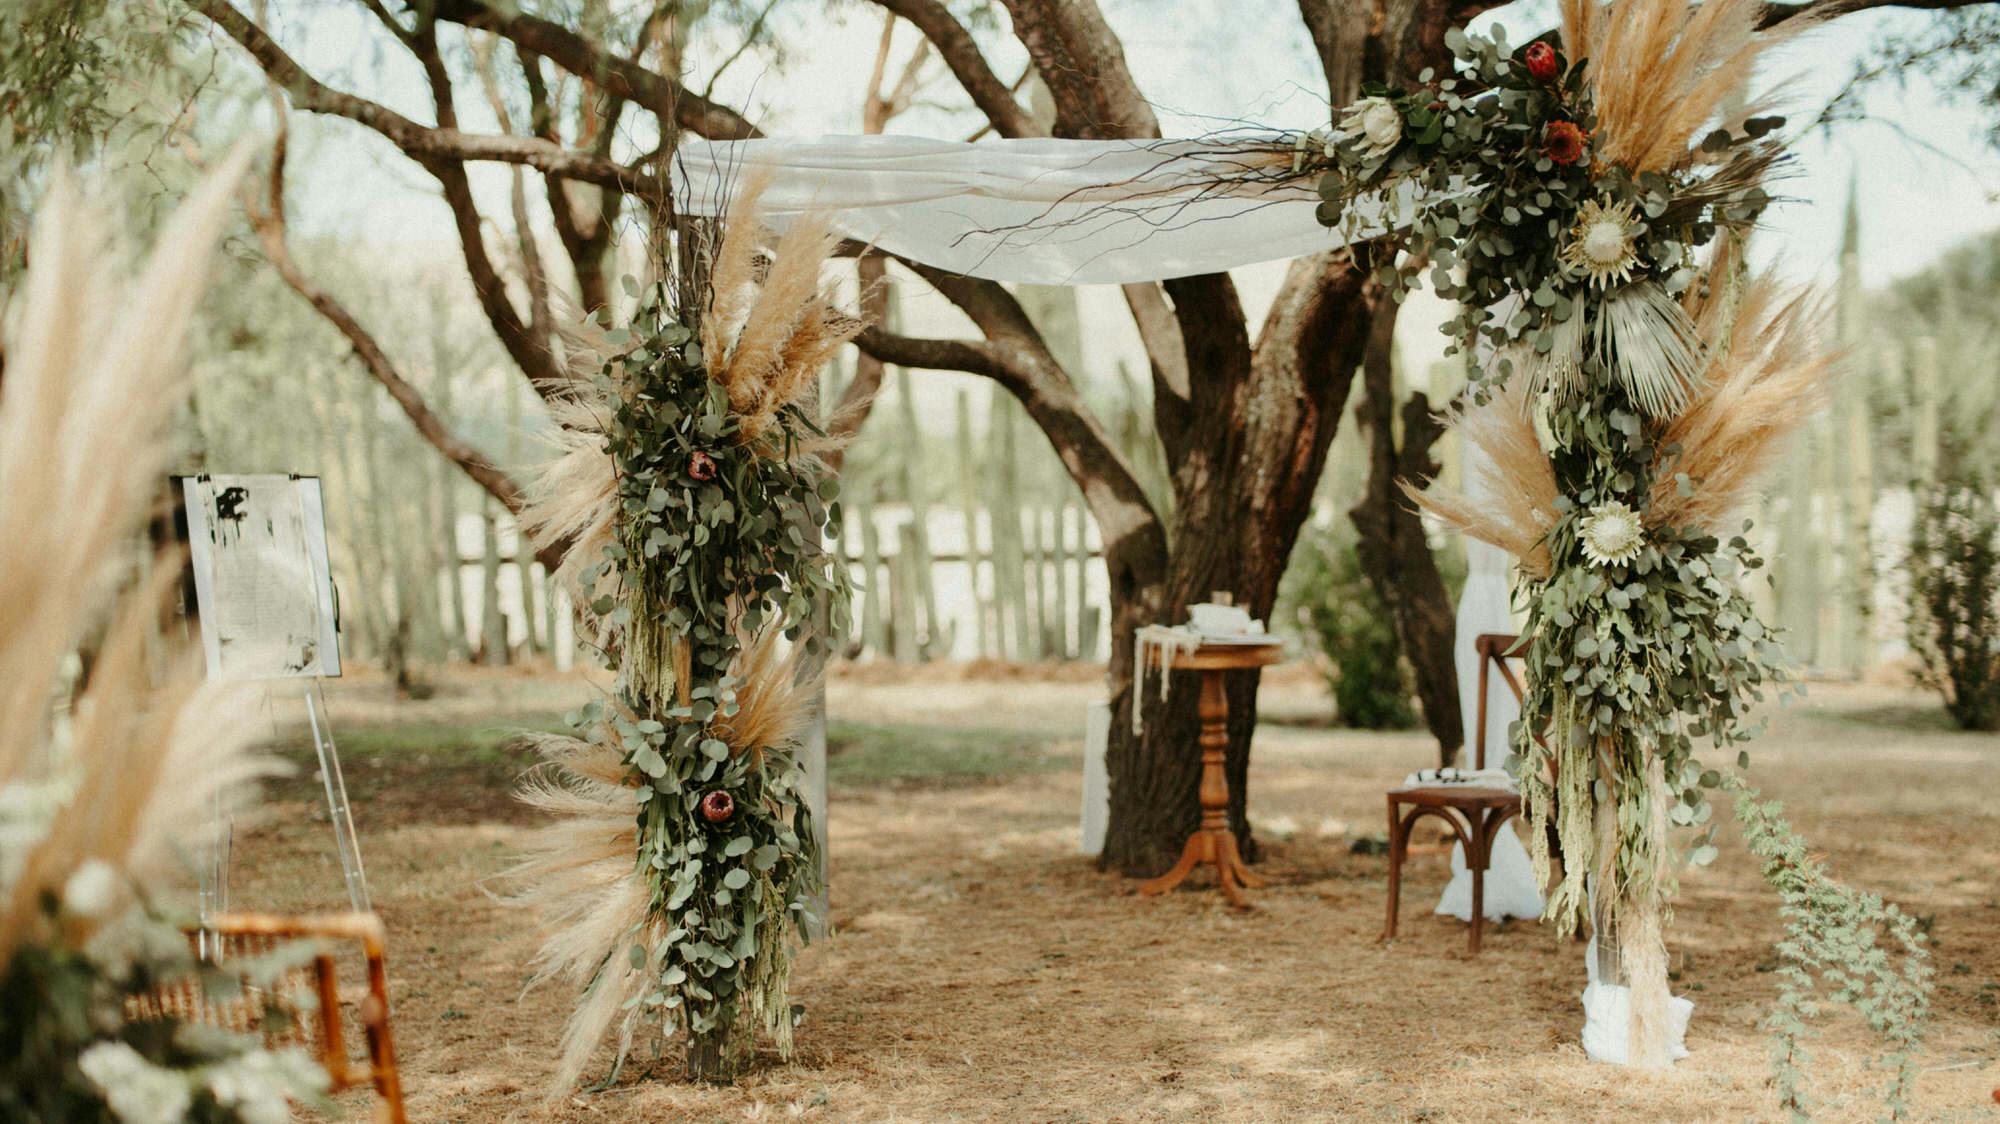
{"x":91,"y":891}
{"x":1612,"y":534}
{"x":1603,"y":245}
{"x":259,"y":1084}
{"x":1374,"y":126}
{"x":137,"y":1091}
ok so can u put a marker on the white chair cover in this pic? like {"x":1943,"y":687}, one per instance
{"x":1484,"y":606}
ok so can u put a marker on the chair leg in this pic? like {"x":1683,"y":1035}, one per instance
{"x":1475,"y":863}
{"x":1396,"y":848}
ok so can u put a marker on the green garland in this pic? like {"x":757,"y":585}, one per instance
{"x":718,"y":539}
{"x":1642,"y":643}
{"x":1637,"y":654}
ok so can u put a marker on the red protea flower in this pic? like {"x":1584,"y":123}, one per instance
{"x":1563,"y":142}
{"x":717,"y":806}
{"x":1540,"y":59}
{"x":701,"y":466}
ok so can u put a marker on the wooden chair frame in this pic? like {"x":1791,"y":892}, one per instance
{"x":236,"y":935}
{"x":1473,"y":814}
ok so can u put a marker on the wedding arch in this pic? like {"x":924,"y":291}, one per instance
{"x":1585,"y":197}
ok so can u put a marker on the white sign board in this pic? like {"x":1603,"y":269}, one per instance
{"x":263,"y":588}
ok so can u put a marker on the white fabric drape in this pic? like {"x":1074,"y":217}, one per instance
{"x":1607,"y":1017}
{"x":1039,"y":211}
{"x":1484,"y":606}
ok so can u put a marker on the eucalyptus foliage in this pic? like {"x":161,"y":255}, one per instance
{"x":1840,"y":941}
{"x":718,"y":537}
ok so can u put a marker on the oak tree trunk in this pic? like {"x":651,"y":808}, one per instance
{"x":1247,"y":447}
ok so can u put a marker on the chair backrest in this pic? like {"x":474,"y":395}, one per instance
{"x":1495,"y":649}
{"x":308,"y":993}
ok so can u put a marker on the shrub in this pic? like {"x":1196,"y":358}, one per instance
{"x":1348,"y":623}
{"x":1955,"y":601}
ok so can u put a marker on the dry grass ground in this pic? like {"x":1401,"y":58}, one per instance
{"x":983,"y":970}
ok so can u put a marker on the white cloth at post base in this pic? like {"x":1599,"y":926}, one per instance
{"x":1483,"y":607}
{"x":1039,"y":210}
{"x":1607,"y":1017}
{"x":1095,"y":817}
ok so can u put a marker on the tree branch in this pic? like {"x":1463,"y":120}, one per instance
{"x":1775,"y":14}
{"x":268,"y":222}
{"x":420,"y":142}
{"x":960,"y":52}
{"x":529,"y":351}
{"x":1083,"y":65}
{"x":1014,"y":355}
{"x":621,"y":77}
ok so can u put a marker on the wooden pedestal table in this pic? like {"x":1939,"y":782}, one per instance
{"x":1213,"y":842}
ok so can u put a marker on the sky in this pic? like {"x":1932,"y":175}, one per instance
{"x":1922,"y":174}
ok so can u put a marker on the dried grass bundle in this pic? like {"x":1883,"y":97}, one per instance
{"x":1767,"y":376}
{"x":1510,"y":492}
{"x":1663,"y":69}
{"x":770,"y":327}
{"x":95,"y":369}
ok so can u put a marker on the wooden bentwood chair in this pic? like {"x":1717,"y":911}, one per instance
{"x":308,"y":994}
{"x":1474,"y":813}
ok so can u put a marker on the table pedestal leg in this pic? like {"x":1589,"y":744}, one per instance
{"x":1212,"y":842}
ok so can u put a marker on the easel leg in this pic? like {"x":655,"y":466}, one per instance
{"x":336,"y":800}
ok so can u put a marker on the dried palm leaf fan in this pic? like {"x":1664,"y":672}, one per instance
{"x":686,"y":481}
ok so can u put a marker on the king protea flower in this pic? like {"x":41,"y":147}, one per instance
{"x":1603,"y":245}
{"x":1611,"y":534}
{"x":1540,"y":61}
{"x":1374,"y":125}
{"x":1562,"y":142}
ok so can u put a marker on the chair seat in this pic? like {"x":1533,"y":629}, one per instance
{"x":1455,"y":796}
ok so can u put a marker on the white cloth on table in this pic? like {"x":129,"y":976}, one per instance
{"x":1036,"y":210}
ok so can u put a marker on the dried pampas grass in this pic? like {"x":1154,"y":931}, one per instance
{"x":1510,"y":492}
{"x":1664,"y":69}
{"x":1765,"y":379}
{"x":581,"y":880}
{"x":95,"y":370}
{"x":769,"y":327}
{"x":573,"y":497}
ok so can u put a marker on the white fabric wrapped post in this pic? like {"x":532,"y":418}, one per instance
{"x":1096,"y":814}
{"x":1040,"y":211}
{"x":1607,"y":1017}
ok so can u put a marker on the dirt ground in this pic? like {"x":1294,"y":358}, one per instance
{"x":984,"y":970}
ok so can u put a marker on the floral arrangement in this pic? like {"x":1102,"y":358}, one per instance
{"x":1587,"y":201}
{"x":696,"y":509}
{"x":96,"y":797}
